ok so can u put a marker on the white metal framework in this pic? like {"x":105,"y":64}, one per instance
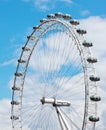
{"x":59,"y":91}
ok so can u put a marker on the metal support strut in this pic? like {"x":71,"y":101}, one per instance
{"x":57,"y":104}
{"x":63,"y":122}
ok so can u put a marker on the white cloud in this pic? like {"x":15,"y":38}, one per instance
{"x":48,"y":4}
{"x":85,"y":12}
{"x":53,"y":54}
{"x":5,"y":113}
{"x":9,"y":62}
{"x":96,"y":31}
{"x":45,"y":5}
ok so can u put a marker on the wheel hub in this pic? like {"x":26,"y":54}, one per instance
{"x":55,"y":102}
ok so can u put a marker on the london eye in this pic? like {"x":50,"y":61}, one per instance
{"x":55,"y":84}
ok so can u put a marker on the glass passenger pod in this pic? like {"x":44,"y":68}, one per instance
{"x":15,"y":103}
{"x":93,"y":119}
{"x":67,"y":16}
{"x":36,"y":27}
{"x":80,"y":31}
{"x":15,"y":88}
{"x":26,"y":48}
{"x":31,"y":37}
{"x":91,"y":60}
{"x":21,"y":61}
{"x":43,"y":20}
{"x":87,"y":44}
{"x":18,"y":74}
{"x":51,"y":16}
{"x":74,"y":22}
{"x":95,"y":98}
{"x":59,"y":15}
{"x":14,"y":118}
{"x":94,"y":78}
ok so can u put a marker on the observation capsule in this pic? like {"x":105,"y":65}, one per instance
{"x":21,"y":61}
{"x":74,"y":22}
{"x":14,"y":118}
{"x":67,"y":16}
{"x":94,"y":78}
{"x":51,"y":16}
{"x":92,"y":60}
{"x":80,"y":31}
{"x":95,"y":98}
{"x":87,"y":44}
{"x":31,"y":37}
{"x":14,"y":103}
{"x":18,"y":74}
{"x":25,"y":48}
{"x":43,"y":20}
{"x":59,"y":15}
{"x":93,"y":119}
{"x":15,"y":88}
{"x":36,"y":27}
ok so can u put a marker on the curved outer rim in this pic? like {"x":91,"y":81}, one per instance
{"x":83,"y":60}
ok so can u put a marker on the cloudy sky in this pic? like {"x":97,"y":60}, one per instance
{"x":17,"y":17}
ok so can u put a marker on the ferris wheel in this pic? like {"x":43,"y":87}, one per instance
{"x":55,"y":83}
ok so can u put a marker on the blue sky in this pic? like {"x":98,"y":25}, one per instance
{"x":17,"y":17}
